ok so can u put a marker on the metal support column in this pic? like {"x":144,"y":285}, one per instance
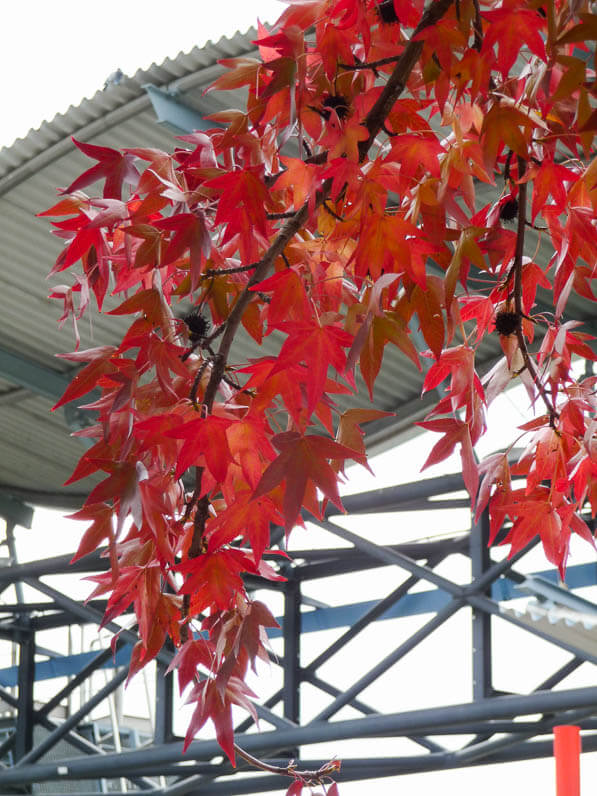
{"x":291,"y":663}
{"x":480,"y":563}
{"x":163,"y":730}
{"x":26,"y":679}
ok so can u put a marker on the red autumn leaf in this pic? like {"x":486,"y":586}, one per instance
{"x":100,"y":530}
{"x":204,"y":440}
{"x":303,"y":459}
{"x":459,"y":364}
{"x":88,"y":377}
{"x":319,"y":347}
{"x":416,"y":155}
{"x":350,"y":433}
{"x":113,"y":166}
{"x":455,"y":433}
{"x":246,"y":518}
{"x":241,"y":193}
{"x":211,"y":704}
{"x":190,"y":655}
{"x":509,"y":27}
{"x":289,"y":300}
{"x":213,"y":580}
{"x":189,"y":233}
{"x":378,"y":230}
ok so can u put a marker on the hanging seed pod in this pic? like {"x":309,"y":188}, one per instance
{"x":337,"y":103}
{"x":509,"y":210}
{"x":506,"y":323}
{"x":386,"y":12}
{"x":197,"y":325}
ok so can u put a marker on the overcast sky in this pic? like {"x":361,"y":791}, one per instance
{"x":54,"y":54}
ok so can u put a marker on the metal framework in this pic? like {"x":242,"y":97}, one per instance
{"x":492,"y":725}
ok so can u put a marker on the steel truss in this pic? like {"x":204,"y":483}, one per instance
{"x":495,"y":720}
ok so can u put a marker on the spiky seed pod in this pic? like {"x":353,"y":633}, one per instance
{"x":509,"y":210}
{"x":506,"y":322}
{"x":337,"y":103}
{"x":386,"y":12}
{"x":197,"y":325}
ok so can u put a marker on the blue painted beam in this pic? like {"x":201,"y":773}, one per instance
{"x":174,"y":113}
{"x":32,"y":376}
{"x":64,"y":665}
{"x":423,"y":602}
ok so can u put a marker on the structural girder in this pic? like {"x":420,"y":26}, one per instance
{"x":492,"y":725}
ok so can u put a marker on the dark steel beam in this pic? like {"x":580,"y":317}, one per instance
{"x":371,"y":615}
{"x":15,"y":511}
{"x":151,"y":759}
{"x":343,"y":560}
{"x":292,"y":650}
{"x":129,"y":636}
{"x":417,"y":550}
{"x":372,"y":768}
{"x":73,"y":720}
{"x":394,"y":498}
{"x":100,"y":659}
{"x":388,"y":556}
{"x":561,"y":674}
{"x":26,"y":680}
{"x":403,"y":649}
{"x":481,"y":621}
{"x":59,"y":565}
{"x":327,"y":688}
{"x":164,"y":704}
{"x":488,"y":747}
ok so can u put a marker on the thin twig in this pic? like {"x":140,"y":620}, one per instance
{"x":529,"y":364}
{"x":196,"y":382}
{"x":397,"y":80}
{"x":276,"y":216}
{"x":237,"y":269}
{"x":477,"y":27}
{"x":307,"y":776}
{"x":332,"y":212}
{"x":391,"y":59}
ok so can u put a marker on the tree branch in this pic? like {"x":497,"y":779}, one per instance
{"x":519,"y":309}
{"x":374,"y":123}
{"x":397,"y":80}
{"x":307,"y":777}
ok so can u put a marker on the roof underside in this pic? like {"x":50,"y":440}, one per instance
{"x":38,"y":453}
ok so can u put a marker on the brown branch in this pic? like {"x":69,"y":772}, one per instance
{"x":237,"y":269}
{"x":397,"y":80}
{"x":391,"y":59}
{"x":374,"y":123}
{"x":519,"y":309}
{"x":276,"y":216}
{"x":308,"y":777}
{"x":478,"y":27}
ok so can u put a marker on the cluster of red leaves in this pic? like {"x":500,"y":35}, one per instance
{"x":338,"y":214}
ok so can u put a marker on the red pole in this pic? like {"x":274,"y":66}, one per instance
{"x":566,"y":749}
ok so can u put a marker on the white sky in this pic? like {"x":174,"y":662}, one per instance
{"x":53,"y":55}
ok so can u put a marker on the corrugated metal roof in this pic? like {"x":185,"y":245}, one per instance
{"x":37,"y":452}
